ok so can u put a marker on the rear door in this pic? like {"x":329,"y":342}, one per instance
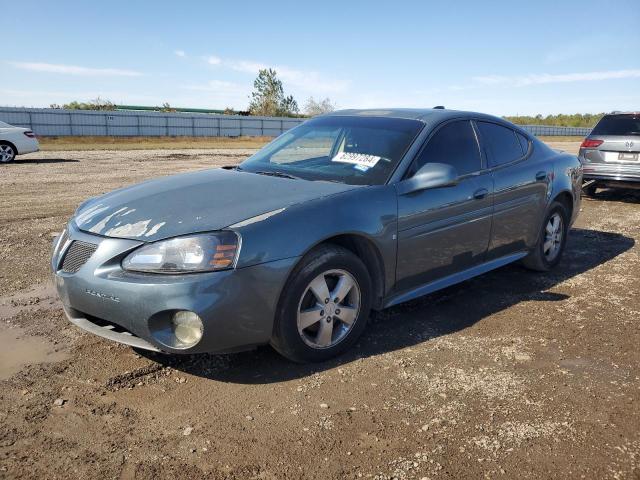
{"x":520,"y":187}
{"x":442,"y":231}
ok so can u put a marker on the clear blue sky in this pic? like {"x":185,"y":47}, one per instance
{"x":500,"y":57}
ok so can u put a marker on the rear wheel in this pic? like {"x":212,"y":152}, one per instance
{"x":324,"y":307}
{"x":7,"y":153}
{"x":551,"y":240}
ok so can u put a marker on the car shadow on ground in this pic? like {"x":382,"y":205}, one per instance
{"x":420,"y":320}
{"x":41,"y":161}
{"x":626,"y":195}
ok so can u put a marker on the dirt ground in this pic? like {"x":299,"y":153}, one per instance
{"x":510,"y":375}
{"x":49,"y":144}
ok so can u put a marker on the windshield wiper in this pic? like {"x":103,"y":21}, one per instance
{"x":277,"y":174}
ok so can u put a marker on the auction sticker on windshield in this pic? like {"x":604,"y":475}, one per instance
{"x":361,"y":159}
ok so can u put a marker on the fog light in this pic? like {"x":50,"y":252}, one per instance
{"x":187,"y":328}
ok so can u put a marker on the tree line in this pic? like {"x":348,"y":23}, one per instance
{"x":561,"y":120}
{"x":268,"y":99}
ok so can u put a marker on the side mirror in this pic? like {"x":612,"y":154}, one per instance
{"x":431,"y":175}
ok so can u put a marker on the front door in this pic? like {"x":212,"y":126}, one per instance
{"x":445,"y":230}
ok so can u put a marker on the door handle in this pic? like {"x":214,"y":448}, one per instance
{"x":480,"y":193}
{"x":541,"y":175}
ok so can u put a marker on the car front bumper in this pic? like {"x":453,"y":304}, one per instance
{"x":237,"y":307}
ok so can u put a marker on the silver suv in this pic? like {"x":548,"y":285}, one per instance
{"x":611,"y":153}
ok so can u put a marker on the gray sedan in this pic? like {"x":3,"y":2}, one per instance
{"x":347,"y":213}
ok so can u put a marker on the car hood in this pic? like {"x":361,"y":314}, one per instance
{"x":194,"y":202}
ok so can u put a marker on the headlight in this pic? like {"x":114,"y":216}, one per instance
{"x":195,"y":253}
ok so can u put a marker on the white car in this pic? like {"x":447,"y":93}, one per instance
{"x":16,"y":141}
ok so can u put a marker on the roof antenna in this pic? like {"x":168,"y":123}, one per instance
{"x":439,"y":107}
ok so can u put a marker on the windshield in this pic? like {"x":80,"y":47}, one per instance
{"x":5,"y":125}
{"x":352,"y":150}
{"x":618,"y":125}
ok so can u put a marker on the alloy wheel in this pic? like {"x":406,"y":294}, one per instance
{"x":6,"y":153}
{"x":328,"y":309}
{"x":553,"y":237}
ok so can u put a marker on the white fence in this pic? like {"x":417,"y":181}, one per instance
{"x":56,"y":122}
{"x":554,"y":131}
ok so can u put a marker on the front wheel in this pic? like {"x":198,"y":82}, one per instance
{"x":324,"y":307}
{"x":551,"y":240}
{"x":7,"y":153}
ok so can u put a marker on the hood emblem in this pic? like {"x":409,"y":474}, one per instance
{"x":628,"y":144}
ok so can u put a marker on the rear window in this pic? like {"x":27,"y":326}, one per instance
{"x":501,"y":143}
{"x":618,"y":125}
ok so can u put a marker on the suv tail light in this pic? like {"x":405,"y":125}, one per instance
{"x":591,"y":143}
{"x":30,"y":134}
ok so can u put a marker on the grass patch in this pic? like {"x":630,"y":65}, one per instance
{"x":148,"y":143}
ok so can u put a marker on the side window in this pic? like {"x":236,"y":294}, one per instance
{"x":524,"y":143}
{"x":454,"y":144}
{"x":501,"y":143}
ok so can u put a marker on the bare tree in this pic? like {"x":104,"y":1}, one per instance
{"x":314,"y":108}
{"x":167,"y":108}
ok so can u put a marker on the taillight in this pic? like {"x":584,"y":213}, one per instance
{"x":591,"y":143}
{"x":30,"y":134}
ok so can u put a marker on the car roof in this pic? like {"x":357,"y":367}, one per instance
{"x":429,"y":116}
{"x":621,"y":113}
{"x":426,"y":115}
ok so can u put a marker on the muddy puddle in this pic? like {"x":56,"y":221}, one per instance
{"x":17,"y":350}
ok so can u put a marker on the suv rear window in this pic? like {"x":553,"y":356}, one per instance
{"x":618,"y":125}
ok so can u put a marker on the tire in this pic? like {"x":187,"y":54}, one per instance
{"x":590,"y":190}
{"x":542,"y":258}
{"x":297,"y":335}
{"x":7,"y":152}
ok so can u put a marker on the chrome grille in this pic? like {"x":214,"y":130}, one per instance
{"x":77,"y":255}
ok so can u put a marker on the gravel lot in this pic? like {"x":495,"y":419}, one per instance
{"x":510,"y":375}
